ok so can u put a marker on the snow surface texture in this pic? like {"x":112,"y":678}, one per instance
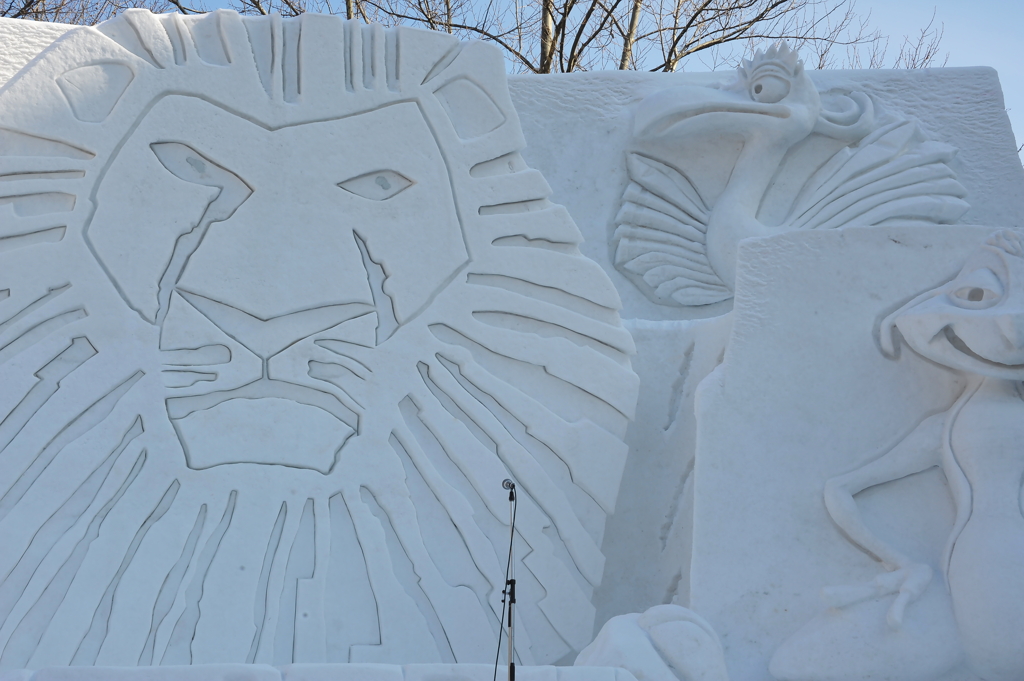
{"x":22,"y":41}
{"x":314,"y":672}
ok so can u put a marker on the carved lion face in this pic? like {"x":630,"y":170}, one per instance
{"x":288,"y":306}
{"x":268,"y":238}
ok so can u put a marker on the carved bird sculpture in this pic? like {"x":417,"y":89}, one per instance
{"x":680,"y":250}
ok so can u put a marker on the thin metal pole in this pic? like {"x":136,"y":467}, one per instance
{"x":511,"y":582}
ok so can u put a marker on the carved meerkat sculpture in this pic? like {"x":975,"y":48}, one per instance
{"x":973,"y":324}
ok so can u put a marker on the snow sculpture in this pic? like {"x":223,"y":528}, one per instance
{"x":762,"y":155}
{"x":665,"y":643}
{"x":970,"y":616}
{"x":283,"y":306}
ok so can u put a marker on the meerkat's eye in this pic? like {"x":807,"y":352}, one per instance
{"x":975,"y":294}
{"x":978,"y":289}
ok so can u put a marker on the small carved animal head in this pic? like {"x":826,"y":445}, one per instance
{"x":770,"y":95}
{"x":975,"y":322}
{"x":773,"y":75}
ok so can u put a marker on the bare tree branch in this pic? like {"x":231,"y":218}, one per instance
{"x":544,"y":36}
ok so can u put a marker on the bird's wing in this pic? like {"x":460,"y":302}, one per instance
{"x":660,"y":238}
{"x":893,"y":175}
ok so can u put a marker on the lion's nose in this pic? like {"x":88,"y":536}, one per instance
{"x":267,"y":337}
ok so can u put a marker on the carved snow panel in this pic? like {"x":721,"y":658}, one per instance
{"x":805,"y":394}
{"x":282,"y":308}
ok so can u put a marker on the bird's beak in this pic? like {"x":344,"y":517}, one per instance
{"x":663,"y":111}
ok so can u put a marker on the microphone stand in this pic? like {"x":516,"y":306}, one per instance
{"x":508,"y":594}
{"x":510,"y":583}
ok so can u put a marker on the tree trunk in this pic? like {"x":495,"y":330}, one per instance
{"x":547,"y":35}
{"x":627,"y":43}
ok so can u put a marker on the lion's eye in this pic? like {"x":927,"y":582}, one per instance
{"x":978,"y":289}
{"x":769,"y":89}
{"x":188,"y":164}
{"x":377,"y":186}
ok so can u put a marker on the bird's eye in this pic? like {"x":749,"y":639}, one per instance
{"x":377,"y":186}
{"x":769,"y":89}
{"x":978,"y":289}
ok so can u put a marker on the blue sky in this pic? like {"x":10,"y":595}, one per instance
{"x":977,"y":33}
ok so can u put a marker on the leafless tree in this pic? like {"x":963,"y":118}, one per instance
{"x":551,"y":36}
{"x":74,"y":11}
{"x":916,"y":52}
